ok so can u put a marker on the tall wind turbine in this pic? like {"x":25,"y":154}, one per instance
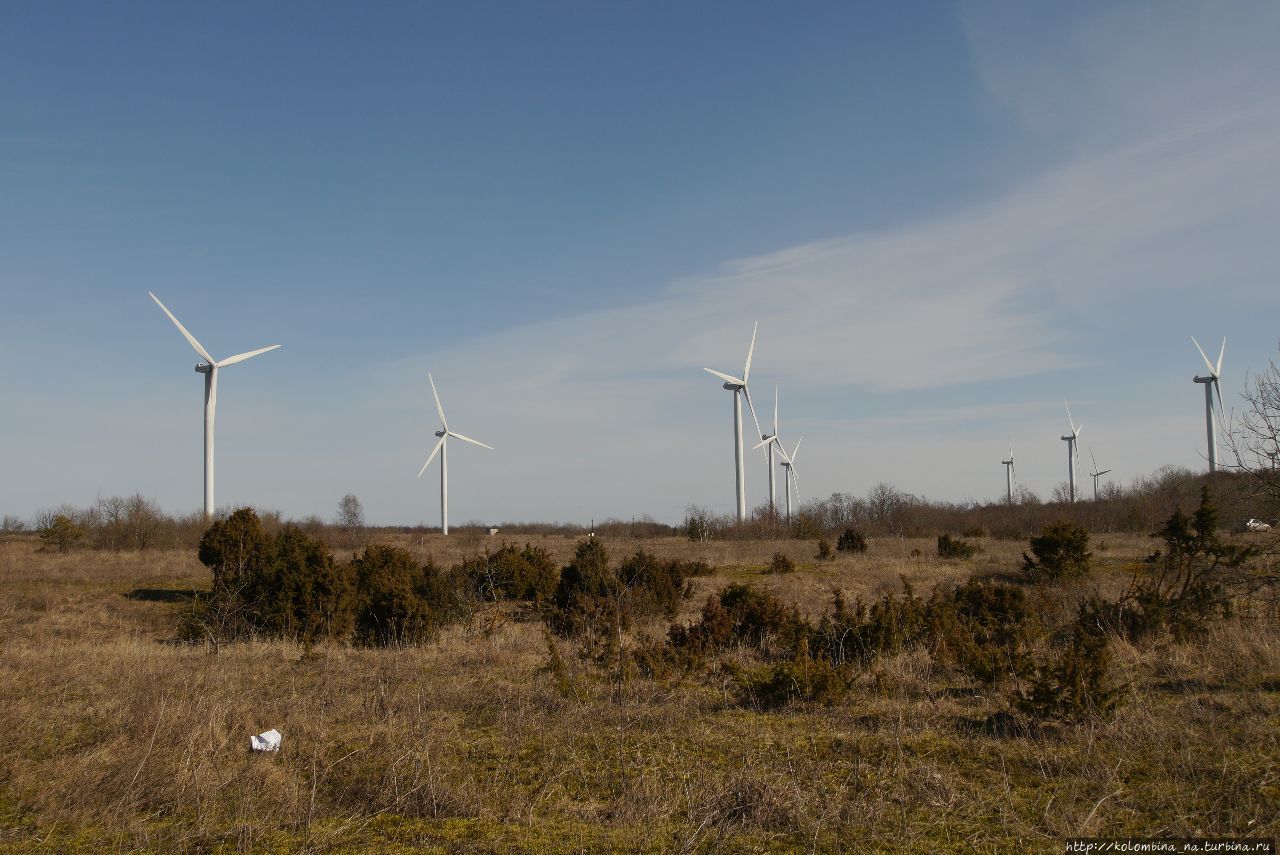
{"x":209,"y":368}
{"x":1095,"y":474}
{"x":1210,"y":387}
{"x":739,"y":388}
{"x":1073,"y":453}
{"x":1008,"y":474}
{"x":442,"y":448}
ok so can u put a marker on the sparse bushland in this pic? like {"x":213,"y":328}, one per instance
{"x":827,"y":707}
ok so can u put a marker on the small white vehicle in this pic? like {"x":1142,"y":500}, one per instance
{"x":1255,"y":525}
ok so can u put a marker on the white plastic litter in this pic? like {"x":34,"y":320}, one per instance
{"x":269,"y":741}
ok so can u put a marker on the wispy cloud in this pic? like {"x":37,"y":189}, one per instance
{"x":612,"y":400}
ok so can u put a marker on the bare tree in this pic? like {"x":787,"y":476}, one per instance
{"x":350,"y":513}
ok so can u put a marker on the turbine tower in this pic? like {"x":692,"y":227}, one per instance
{"x":209,"y":368}
{"x":1095,"y":474}
{"x":444,"y":433}
{"x":1210,"y":387}
{"x":739,"y":388}
{"x":1008,"y":474}
{"x":1073,"y":453}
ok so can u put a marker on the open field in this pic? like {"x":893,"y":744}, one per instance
{"x":117,"y":740}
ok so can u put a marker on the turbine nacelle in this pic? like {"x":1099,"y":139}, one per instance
{"x":203,"y":368}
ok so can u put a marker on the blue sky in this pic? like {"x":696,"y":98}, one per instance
{"x":947,"y":218}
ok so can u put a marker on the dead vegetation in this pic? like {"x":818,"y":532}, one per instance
{"x":500,"y":737}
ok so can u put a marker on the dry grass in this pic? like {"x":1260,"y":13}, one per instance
{"x":117,"y":740}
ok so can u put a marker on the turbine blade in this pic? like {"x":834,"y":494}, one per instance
{"x":726,"y":378}
{"x":199,"y":348}
{"x":746,"y":371}
{"x":1078,"y":431}
{"x":797,"y":450}
{"x":1103,"y":472}
{"x":752,"y":407}
{"x":775,"y":410}
{"x":432,"y":456}
{"x":1094,"y":459}
{"x":436,"y":395}
{"x":1069,"y":419}
{"x":762,"y":443}
{"x":1205,"y":357}
{"x":470,"y":440}
{"x":1218,"y":369}
{"x":782,"y":452}
{"x":241,"y":357}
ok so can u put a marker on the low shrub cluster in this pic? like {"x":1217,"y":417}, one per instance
{"x":288,"y":585}
{"x":955,"y":547}
{"x":984,"y":630}
{"x":1189,"y":583}
{"x":851,"y":540}
{"x":780,"y":563}
{"x":593,"y":596}
{"x":512,"y":573}
{"x":1061,"y":554}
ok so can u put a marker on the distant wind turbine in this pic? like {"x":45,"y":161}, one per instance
{"x":1095,"y":474}
{"x":209,"y":368}
{"x":1210,"y":388}
{"x":768,"y":440}
{"x":739,"y":387}
{"x":1073,"y":453}
{"x":442,"y":448}
{"x":772,"y":444}
{"x":789,"y":463}
{"x":1008,"y":474}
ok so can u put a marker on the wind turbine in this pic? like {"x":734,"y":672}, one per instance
{"x":739,"y":387}
{"x":1210,"y":387}
{"x":788,"y":463}
{"x":209,"y":368}
{"x":1073,"y":453}
{"x":769,"y":440}
{"x":444,"y":433}
{"x":1009,"y":473}
{"x":772,"y":444}
{"x":1095,"y":474}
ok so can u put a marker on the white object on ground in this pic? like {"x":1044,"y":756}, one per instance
{"x":269,"y":741}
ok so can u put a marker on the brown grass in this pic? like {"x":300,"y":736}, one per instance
{"x":118,"y":740}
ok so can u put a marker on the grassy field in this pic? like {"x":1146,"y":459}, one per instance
{"x":117,"y":740}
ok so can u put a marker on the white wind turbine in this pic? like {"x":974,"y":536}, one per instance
{"x":209,"y":368}
{"x":739,"y":387}
{"x":768,"y":440}
{"x":789,"y":463}
{"x":770,"y":443}
{"x":1095,"y":474}
{"x":1210,"y":387}
{"x":444,"y":433}
{"x":1073,"y":453}
{"x":1008,"y":474}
